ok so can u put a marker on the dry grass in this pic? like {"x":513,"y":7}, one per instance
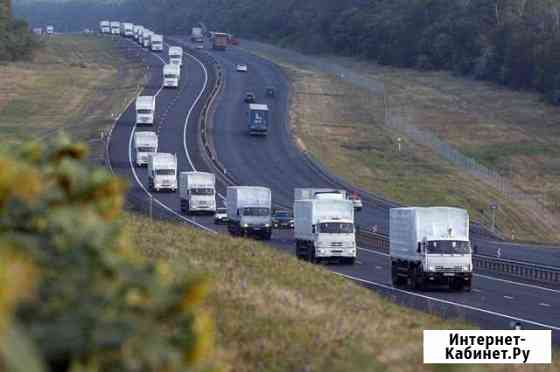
{"x":73,"y":84}
{"x":276,"y":313}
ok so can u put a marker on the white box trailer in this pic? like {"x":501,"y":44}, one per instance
{"x":319,"y":193}
{"x":145,"y":143}
{"x":156,"y":42}
{"x":127,"y":29}
{"x":249,"y":211}
{"x":145,"y":109}
{"x":105,"y":27}
{"x":324,"y":229}
{"x":430,"y":245}
{"x":115,"y":28}
{"x":171,"y":76}
{"x":197,"y":191}
{"x":176,"y":55}
{"x":162,"y":171}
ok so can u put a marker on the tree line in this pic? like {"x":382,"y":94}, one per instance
{"x":512,"y":42}
{"x":16,"y":40}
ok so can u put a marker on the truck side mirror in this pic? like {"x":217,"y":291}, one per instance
{"x":238,"y":212}
{"x":419,"y":248}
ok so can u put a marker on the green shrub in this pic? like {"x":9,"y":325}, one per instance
{"x":71,"y":286}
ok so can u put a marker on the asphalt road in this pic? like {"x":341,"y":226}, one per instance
{"x":273,"y":161}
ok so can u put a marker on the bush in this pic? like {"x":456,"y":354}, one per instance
{"x":71,"y":286}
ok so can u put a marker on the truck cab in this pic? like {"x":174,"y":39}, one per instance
{"x":219,"y":41}
{"x":50,"y":30}
{"x":145,"y":143}
{"x":176,"y":56}
{"x":145,"y":109}
{"x":258,"y":119}
{"x":162,"y":172}
{"x":171,"y":76}
{"x":140,"y":35}
{"x":197,"y":192}
{"x":115,"y":28}
{"x":127,"y":29}
{"x":156,"y":42}
{"x":324,"y":230}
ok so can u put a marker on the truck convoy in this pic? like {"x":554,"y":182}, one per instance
{"x":176,"y":56}
{"x":258,"y":119}
{"x":249,"y":211}
{"x":156,"y":42}
{"x":197,"y":192}
{"x":105,"y":27}
{"x":171,"y":76}
{"x":196,"y":35}
{"x":219,"y":41}
{"x":430,"y":245}
{"x":324,"y":230}
{"x":126,"y":29}
{"x":145,"y":108}
{"x":145,"y":143}
{"x":115,"y":28}
{"x":162,"y":171}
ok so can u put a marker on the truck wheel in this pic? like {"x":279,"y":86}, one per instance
{"x":311,"y":255}
{"x":419,"y":283}
{"x":456,"y":285}
{"x":395,"y":278}
{"x":267,"y":235}
{"x":351,"y":260}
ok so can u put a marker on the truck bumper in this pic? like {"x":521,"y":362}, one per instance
{"x":444,"y":278}
{"x":335,"y":253}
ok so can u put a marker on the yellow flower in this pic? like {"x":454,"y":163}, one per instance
{"x":195,"y":294}
{"x":203,"y":328}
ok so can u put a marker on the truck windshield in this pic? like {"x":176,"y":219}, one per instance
{"x":336,"y":228}
{"x":256,"y":211}
{"x":448,"y":247}
{"x":146,"y":149}
{"x":202,"y":191}
{"x":165,"y":172}
{"x":144,"y":111}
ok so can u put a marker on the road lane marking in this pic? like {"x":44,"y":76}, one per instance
{"x":508,"y":297}
{"x":447,"y":302}
{"x":544,"y":304}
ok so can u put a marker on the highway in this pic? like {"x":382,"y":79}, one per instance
{"x":275,"y":162}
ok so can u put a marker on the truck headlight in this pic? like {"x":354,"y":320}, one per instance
{"x":245,"y":225}
{"x":467,"y":268}
{"x":267,"y":225}
{"x":431,"y":268}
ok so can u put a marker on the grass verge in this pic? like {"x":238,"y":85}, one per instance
{"x":75,"y":83}
{"x":276,"y":313}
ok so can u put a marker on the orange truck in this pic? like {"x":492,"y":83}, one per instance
{"x":220,"y":41}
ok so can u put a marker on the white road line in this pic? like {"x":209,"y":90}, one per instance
{"x":534,"y":286}
{"x":378,"y":267}
{"x":544,"y":304}
{"x":456,"y":304}
{"x":476,"y":290}
{"x":508,"y":297}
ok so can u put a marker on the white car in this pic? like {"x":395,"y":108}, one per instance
{"x":241,"y":68}
{"x":220,"y":217}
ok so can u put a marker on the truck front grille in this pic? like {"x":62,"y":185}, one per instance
{"x":336,"y":244}
{"x":454,"y":269}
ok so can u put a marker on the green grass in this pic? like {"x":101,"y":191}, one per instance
{"x":73,"y":84}
{"x":274,"y":312}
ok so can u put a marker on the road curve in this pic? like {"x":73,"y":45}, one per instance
{"x":275,"y":162}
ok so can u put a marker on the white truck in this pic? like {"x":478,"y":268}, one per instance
{"x":156,"y":42}
{"x":127,"y":29}
{"x":196,"y":35}
{"x":145,"y":108}
{"x":197,"y":191}
{"x":319,"y":193}
{"x":105,"y":27}
{"x":115,"y":28}
{"x":139,"y":34}
{"x":171,"y":76}
{"x":146,"y":38}
{"x":249,"y":211}
{"x":324,"y":230}
{"x":176,"y":56}
{"x":145,"y":143}
{"x":50,"y":30}
{"x":430,"y":245}
{"x":162,"y":171}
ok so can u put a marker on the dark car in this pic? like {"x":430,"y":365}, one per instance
{"x":270,"y":92}
{"x":250,"y":97}
{"x":281,"y":219}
